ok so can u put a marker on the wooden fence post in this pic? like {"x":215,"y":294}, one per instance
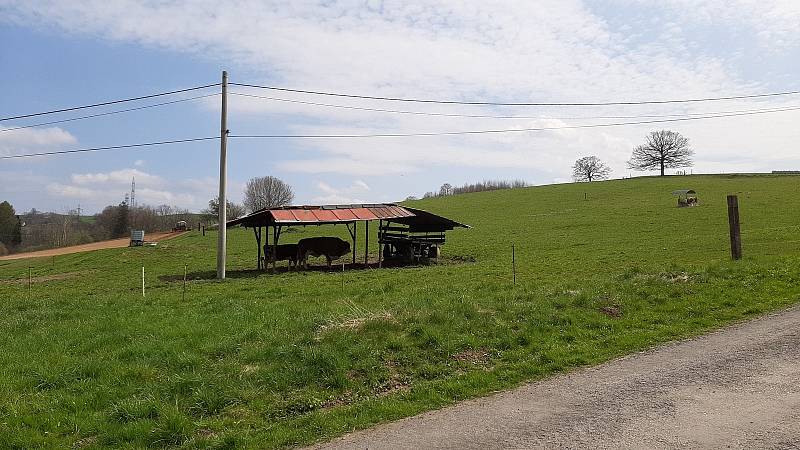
{"x":142,"y":281}
{"x":514,"y":264}
{"x":733,"y":224}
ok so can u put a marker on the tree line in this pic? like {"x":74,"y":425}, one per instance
{"x":487,"y":185}
{"x":662,"y":150}
{"x":36,"y":230}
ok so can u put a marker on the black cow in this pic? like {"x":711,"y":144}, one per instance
{"x":284,"y":252}
{"x":330,"y":247}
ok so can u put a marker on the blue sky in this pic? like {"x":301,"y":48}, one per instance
{"x":58,"y":54}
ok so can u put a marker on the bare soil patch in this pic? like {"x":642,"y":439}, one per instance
{"x":113,"y":243}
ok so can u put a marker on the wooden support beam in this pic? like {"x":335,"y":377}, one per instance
{"x":276,"y":234}
{"x":366,"y":243}
{"x":354,"y":242}
{"x":257,"y":233}
{"x":380,"y":243}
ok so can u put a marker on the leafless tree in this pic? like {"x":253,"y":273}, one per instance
{"x":267,"y":192}
{"x":446,"y":189}
{"x":233,"y":211}
{"x":662,"y":149}
{"x":590,"y":168}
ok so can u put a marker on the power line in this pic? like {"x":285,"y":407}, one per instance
{"x":112,"y":102}
{"x":3,"y":130}
{"x":489,"y":116}
{"x":511,"y":130}
{"x":485,"y":103}
{"x":419,"y":134}
{"x":112,"y":147}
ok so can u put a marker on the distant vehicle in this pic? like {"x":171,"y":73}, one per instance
{"x":137,"y":238}
{"x":180,"y":226}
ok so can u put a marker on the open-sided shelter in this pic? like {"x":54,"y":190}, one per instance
{"x":401,"y":230}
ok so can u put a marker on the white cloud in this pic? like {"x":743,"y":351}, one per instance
{"x":95,"y":190}
{"x":334,"y":195}
{"x":117,"y":177}
{"x":27,"y":140}
{"x":73,"y":192}
{"x":776,"y":23}
{"x":138,"y":163}
{"x":549,"y":50}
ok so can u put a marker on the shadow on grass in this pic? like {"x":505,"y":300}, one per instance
{"x":282,"y":269}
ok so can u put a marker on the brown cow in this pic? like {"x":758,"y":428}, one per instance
{"x":330,"y":247}
{"x":284,"y":252}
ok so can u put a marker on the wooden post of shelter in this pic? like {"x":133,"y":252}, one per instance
{"x":276,"y":234}
{"x":257,"y":233}
{"x":380,"y":249}
{"x":366,"y":243}
{"x":266,"y":244}
{"x":354,"y":241}
{"x":733,"y":225}
{"x":352,"y":232}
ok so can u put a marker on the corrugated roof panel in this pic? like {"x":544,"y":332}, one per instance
{"x":398,"y":211}
{"x":283,"y":215}
{"x":310,"y":214}
{"x":344,"y":214}
{"x":325,"y":215}
{"x":382,"y":212}
{"x":364,"y":214}
{"x":304,"y":215}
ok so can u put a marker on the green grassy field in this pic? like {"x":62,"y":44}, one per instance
{"x":281,"y":360}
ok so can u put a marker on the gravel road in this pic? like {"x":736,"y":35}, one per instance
{"x":100,"y":245}
{"x":735,"y":388}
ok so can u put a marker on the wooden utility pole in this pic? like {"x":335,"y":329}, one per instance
{"x":223,"y":174}
{"x":733,"y":223}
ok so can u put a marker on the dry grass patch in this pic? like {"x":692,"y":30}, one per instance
{"x":354,"y":320}
{"x":44,"y":278}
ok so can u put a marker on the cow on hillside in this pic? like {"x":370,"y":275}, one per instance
{"x":284,"y":252}
{"x":330,"y":247}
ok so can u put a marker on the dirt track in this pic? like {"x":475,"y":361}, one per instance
{"x":113,"y":243}
{"x":736,"y":388}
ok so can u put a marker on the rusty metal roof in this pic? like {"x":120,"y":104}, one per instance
{"x":324,"y":214}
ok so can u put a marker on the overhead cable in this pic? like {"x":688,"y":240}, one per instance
{"x":108,"y":113}
{"x":111,"y":147}
{"x":488,"y":103}
{"x":498,"y":131}
{"x":489,"y":116}
{"x":111,"y":102}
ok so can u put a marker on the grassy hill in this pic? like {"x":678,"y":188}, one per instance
{"x":262,"y":360}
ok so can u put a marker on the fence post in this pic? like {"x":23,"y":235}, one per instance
{"x":184,"y":282}
{"x":30,"y":282}
{"x":514,"y":264}
{"x":142,"y":281}
{"x":733,"y":224}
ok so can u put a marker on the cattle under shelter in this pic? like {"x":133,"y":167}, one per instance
{"x":403,"y":232}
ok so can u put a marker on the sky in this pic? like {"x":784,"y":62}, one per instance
{"x":56,"y":54}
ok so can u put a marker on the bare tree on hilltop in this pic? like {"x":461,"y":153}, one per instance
{"x":662,"y":150}
{"x":590,"y":168}
{"x":267,"y":192}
